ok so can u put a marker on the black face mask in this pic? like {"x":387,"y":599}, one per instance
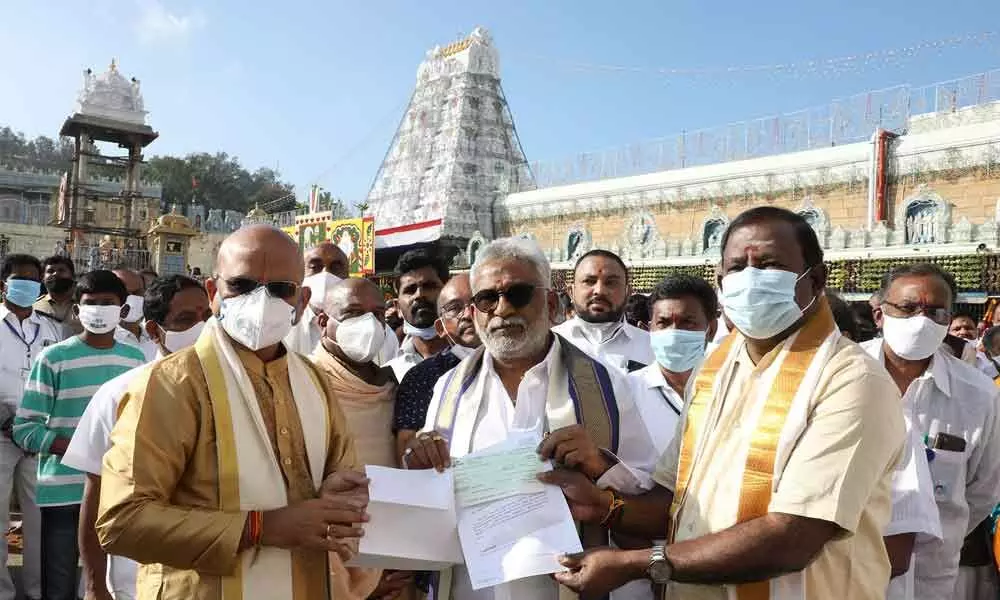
{"x":59,"y":285}
{"x":394,"y":322}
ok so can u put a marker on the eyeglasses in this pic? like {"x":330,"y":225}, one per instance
{"x":937,"y":314}
{"x":455,"y":309}
{"x":518,"y":295}
{"x":277,"y":289}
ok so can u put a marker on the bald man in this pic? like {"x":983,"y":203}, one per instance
{"x":365,"y":391}
{"x":130,"y":330}
{"x":327,"y":256}
{"x":231,"y":472}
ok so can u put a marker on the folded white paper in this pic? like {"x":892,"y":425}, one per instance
{"x":412,"y":521}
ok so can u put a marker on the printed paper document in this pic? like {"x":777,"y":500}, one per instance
{"x":521,"y":534}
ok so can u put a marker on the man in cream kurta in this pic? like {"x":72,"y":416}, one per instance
{"x":778,"y":479}
{"x":236,"y":429}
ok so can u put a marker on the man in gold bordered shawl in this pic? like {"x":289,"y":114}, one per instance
{"x":523,"y":377}
{"x":777,"y":485}
{"x":229,"y":475}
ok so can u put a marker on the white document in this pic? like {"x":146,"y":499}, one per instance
{"x":520,"y":535}
{"x":412,"y":524}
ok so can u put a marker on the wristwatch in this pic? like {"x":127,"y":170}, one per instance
{"x":659,"y":570}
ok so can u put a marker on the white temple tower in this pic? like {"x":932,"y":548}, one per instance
{"x":455,"y":151}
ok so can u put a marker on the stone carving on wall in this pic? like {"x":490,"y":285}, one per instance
{"x":578,"y":242}
{"x":987,"y":233}
{"x":712,"y":228}
{"x":476,"y":242}
{"x":961,"y":232}
{"x":641,"y":237}
{"x":838,"y":239}
{"x":924,"y":216}
{"x":880,"y":236}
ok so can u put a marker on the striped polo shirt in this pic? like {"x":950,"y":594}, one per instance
{"x":62,"y":381}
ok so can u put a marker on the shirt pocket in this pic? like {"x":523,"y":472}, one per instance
{"x":948,"y":475}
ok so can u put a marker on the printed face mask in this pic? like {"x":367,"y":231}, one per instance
{"x":99,"y":319}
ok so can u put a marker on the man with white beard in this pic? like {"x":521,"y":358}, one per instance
{"x":525,"y":378}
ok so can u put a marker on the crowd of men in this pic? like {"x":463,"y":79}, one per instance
{"x":206,"y":439}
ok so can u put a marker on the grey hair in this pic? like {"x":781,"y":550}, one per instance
{"x":514,"y":248}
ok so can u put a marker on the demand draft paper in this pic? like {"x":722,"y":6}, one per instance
{"x":510,"y":525}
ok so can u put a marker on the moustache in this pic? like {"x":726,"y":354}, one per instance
{"x":422,"y":305}
{"x":499,"y":323}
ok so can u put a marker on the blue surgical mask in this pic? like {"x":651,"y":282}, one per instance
{"x":678,"y":350}
{"x":23,"y":292}
{"x":761,"y":302}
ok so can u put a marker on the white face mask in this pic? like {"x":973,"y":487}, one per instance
{"x":424,"y":333}
{"x":461,"y":352}
{"x":321,"y":285}
{"x":135,"y":305}
{"x":915,"y":338}
{"x":175,"y":341}
{"x":360,"y":337}
{"x":100,"y":319}
{"x":256,"y":320}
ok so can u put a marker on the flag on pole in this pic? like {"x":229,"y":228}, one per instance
{"x":314,"y":199}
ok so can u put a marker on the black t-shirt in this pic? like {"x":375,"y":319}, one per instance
{"x":416,"y":391}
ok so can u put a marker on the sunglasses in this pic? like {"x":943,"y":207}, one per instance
{"x":518,"y":295}
{"x":277,"y":289}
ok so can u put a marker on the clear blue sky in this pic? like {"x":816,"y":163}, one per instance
{"x":316,"y":88}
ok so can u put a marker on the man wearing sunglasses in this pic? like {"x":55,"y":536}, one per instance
{"x":524,"y":378}
{"x":420,"y":275}
{"x":233,"y":456}
{"x":600,"y":292}
{"x":955,"y":406}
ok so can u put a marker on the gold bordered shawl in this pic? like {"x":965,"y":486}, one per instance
{"x":759,"y":470}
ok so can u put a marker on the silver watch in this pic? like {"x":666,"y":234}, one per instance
{"x":659,"y":570}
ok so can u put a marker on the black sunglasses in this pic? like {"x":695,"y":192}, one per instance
{"x":518,"y":295}
{"x":277,"y":289}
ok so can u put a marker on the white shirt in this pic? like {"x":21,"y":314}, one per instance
{"x":91,"y":440}
{"x":626,"y":343}
{"x":498,"y":416}
{"x":913,"y":507}
{"x":20,"y":342}
{"x":987,"y":366}
{"x":956,"y":398}
{"x":407,"y":358}
{"x":143,"y":342}
{"x":659,"y":405}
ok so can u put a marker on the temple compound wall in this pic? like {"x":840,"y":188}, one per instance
{"x":932,"y":193}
